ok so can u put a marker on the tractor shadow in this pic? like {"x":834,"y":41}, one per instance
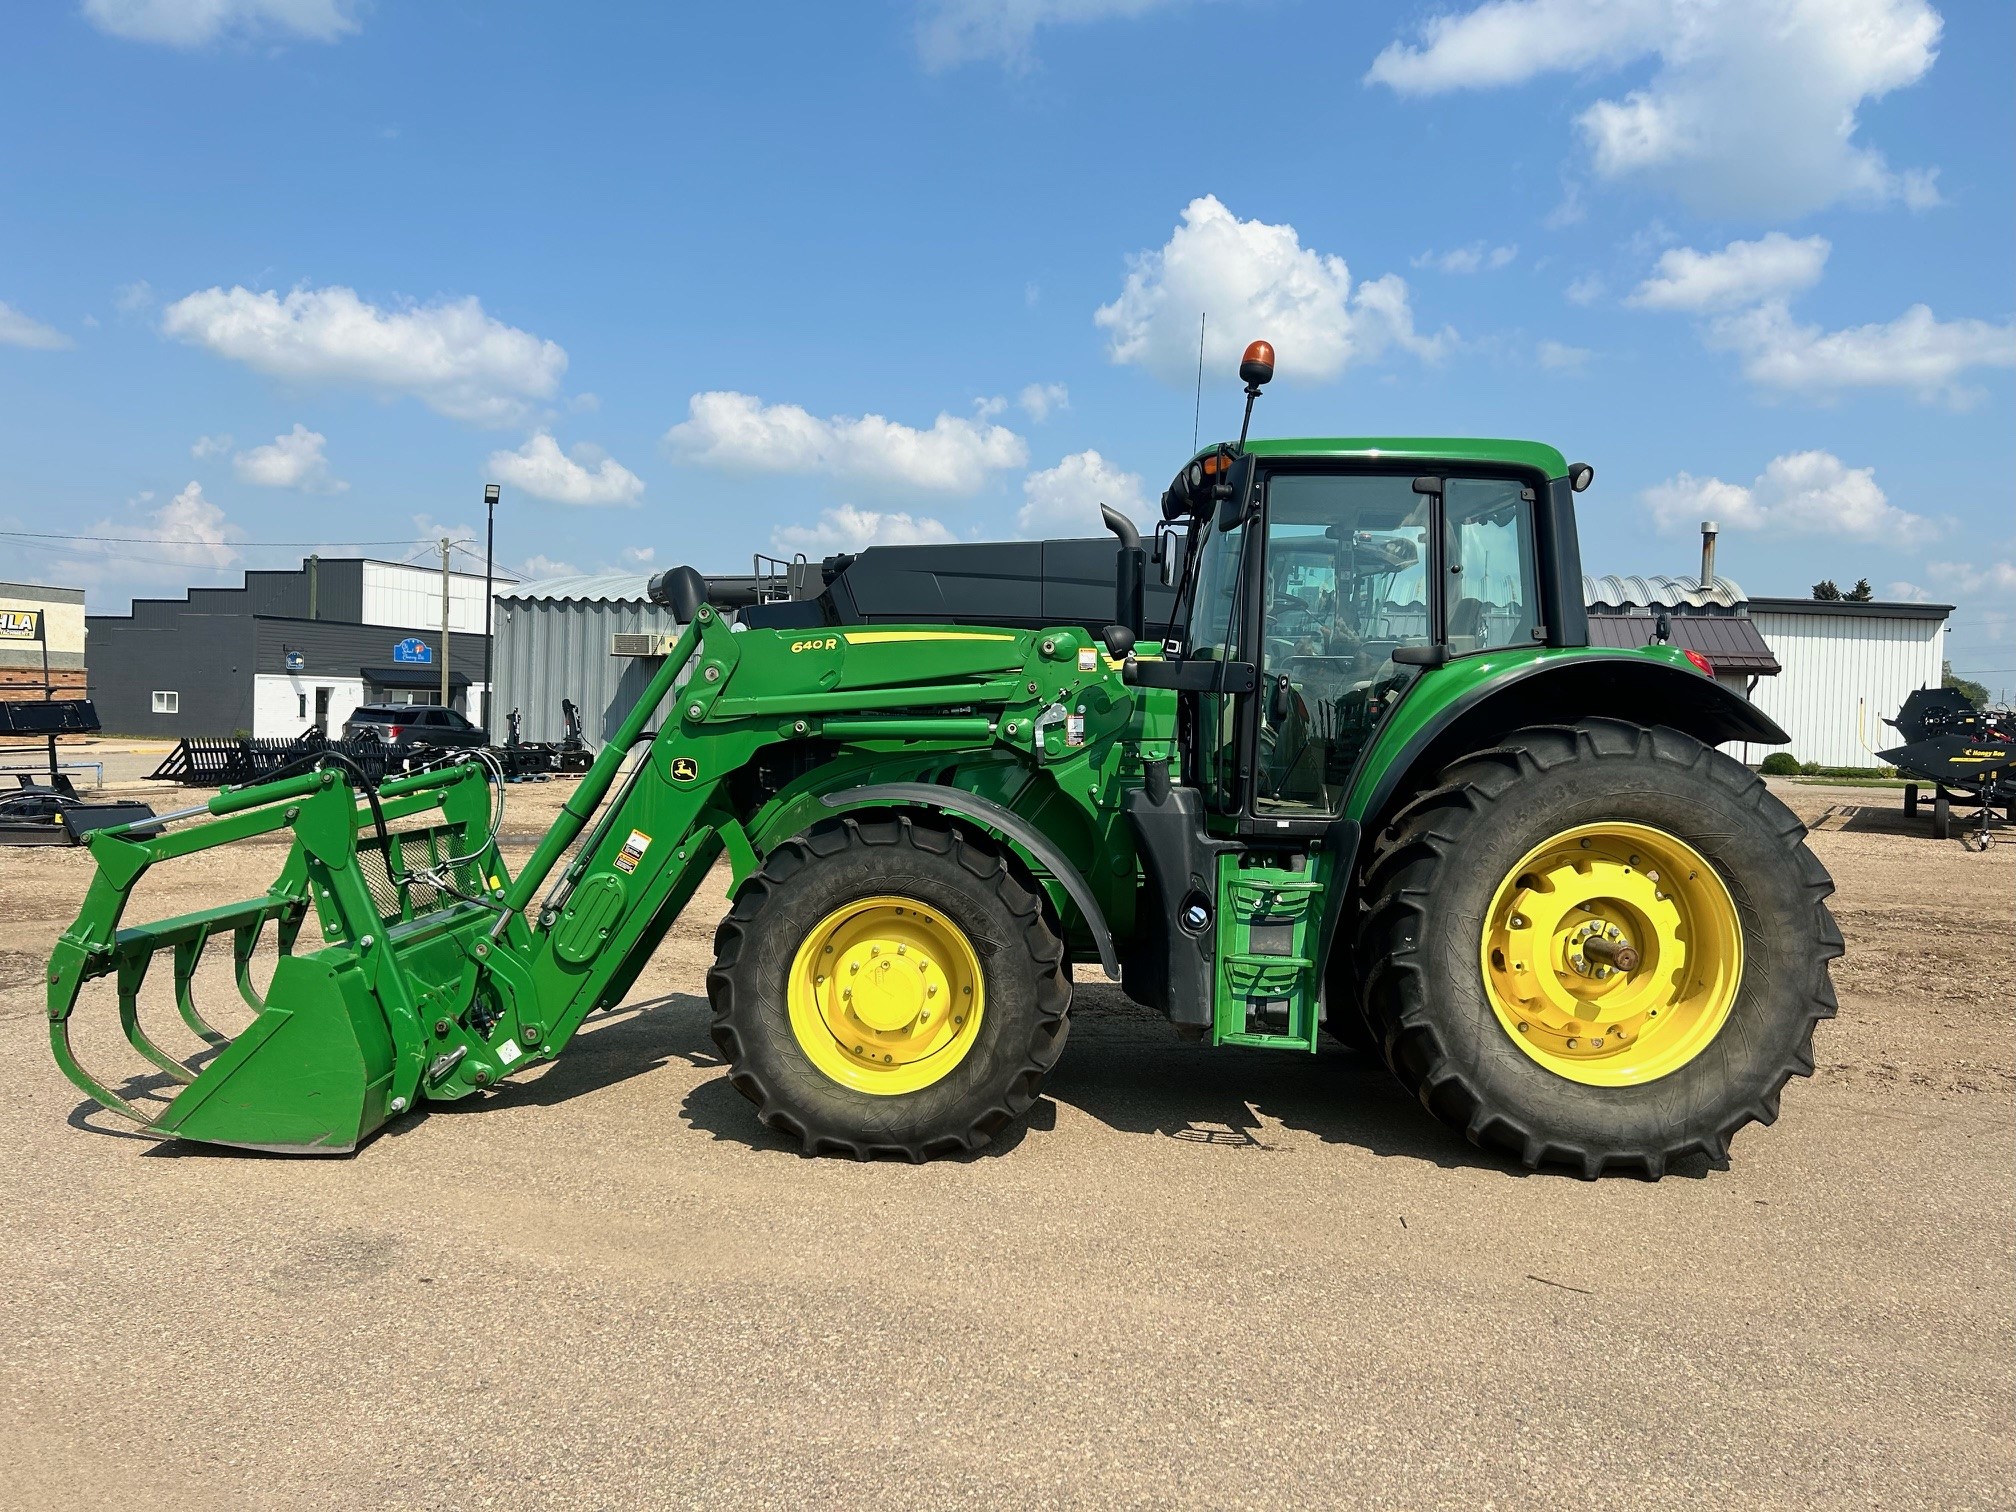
{"x":1126,"y":1068}
{"x":1123,"y":1067}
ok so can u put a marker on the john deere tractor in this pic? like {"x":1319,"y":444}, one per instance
{"x":1361,"y":773}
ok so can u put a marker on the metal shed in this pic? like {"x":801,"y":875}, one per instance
{"x":1848,"y":667}
{"x":556,"y":639}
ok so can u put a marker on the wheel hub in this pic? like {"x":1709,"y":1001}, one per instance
{"x":885,"y":995}
{"x":1612,"y":953}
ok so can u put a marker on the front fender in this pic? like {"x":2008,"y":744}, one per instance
{"x":1015,"y":830}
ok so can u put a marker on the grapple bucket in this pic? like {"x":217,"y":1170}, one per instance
{"x":336,"y":1043}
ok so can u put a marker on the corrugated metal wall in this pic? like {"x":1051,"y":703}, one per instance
{"x":550,"y":649}
{"x":1839,"y":666}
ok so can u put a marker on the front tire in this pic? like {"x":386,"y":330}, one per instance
{"x":888,"y":984}
{"x":1487,"y":893}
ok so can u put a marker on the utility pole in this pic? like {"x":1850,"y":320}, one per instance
{"x":490,"y":493}
{"x":445,"y":543}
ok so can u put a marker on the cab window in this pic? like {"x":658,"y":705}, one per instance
{"x":1487,"y":545}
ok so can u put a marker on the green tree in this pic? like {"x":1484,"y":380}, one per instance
{"x":1972,"y":691}
{"x":1861,"y":593}
{"x":1825,"y":589}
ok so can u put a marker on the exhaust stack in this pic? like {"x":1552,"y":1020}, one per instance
{"x":1709,"y":530}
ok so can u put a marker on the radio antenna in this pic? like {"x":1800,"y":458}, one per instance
{"x":1197,"y":416}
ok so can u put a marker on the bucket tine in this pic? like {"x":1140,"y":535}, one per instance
{"x":187,"y":954}
{"x":132,"y":971}
{"x":245,"y":940}
{"x":66,"y":1057}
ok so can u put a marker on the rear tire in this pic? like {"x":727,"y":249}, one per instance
{"x":1942,"y":818}
{"x":974,"y":892}
{"x":1440,"y":868}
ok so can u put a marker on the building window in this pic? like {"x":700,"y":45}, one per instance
{"x":300,"y":705}
{"x":167,"y":703}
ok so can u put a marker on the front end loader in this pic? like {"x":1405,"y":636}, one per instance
{"x":1372,"y":782}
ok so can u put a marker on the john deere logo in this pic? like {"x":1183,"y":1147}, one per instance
{"x":685,"y":769}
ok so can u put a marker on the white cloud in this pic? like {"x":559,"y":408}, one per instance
{"x":1903,"y":592}
{"x":450,"y":355}
{"x":192,"y":23}
{"x":1916,"y":351}
{"x":187,"y":532}
{"x":1064,"y":500}
{"x":1772,"y":267}
{"x":1974,"y":577}
{"x":294,"y":460}
{"x":209,"y":446}
{"x":1040,"y":401}
{"x":639,"y":556}
{"x":1586,"y":290}
{"x":1751,"y":109}
{"x":849,"y":529}
{"x":1253,"y":280}
{"x":1478,"y":257}
{"x":1801,"y":493}
{"x":1559,"y":357}
{"x":18,"y":330}
{"x":951,"y":32}
{"x":132,"y":297}
{"x":587,"y":477}
{"x":540,"y":566}
{"x":741,"y":433}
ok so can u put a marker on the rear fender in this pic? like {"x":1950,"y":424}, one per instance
{"x":1637,"y":687}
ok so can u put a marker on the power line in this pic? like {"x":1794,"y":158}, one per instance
{"x":39,"y":535}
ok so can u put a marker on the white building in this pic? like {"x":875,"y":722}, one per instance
{"x":1847,"y":667}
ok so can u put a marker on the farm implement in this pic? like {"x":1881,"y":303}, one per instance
{"x":1965,"y":755}
{"x":1374,"y":783}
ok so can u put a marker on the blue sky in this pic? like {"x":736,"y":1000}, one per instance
{"x":695,"y":282}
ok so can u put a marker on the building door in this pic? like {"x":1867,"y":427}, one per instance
{"x":322,"y":709}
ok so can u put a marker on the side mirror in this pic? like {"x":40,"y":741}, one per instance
{"x":1168,"y":555}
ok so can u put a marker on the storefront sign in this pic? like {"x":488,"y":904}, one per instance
{"x":20,"y":624}
{"x":413,"y":649}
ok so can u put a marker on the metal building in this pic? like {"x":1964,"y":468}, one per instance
{"x":559,"y":638}
{"x":288,"y":650}
{"x":1848,"y":667}
{"x":1713,"y":619}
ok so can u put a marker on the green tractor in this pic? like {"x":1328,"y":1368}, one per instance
{"x":1372,"y":780}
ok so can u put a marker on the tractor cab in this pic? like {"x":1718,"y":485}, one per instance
{"x":1332,"y":574}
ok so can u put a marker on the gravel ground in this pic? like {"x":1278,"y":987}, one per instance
{"x":1218,"y":1279}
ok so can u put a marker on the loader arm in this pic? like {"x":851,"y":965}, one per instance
{"x":438,"y":974}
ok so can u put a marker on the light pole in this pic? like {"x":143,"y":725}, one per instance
{"x":490,"y":495}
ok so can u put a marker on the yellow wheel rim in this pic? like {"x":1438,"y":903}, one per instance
{"x":1612,"y":954}
{"x":886,"y":995}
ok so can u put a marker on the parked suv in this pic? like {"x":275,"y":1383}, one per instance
{"x":406,"y":726}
